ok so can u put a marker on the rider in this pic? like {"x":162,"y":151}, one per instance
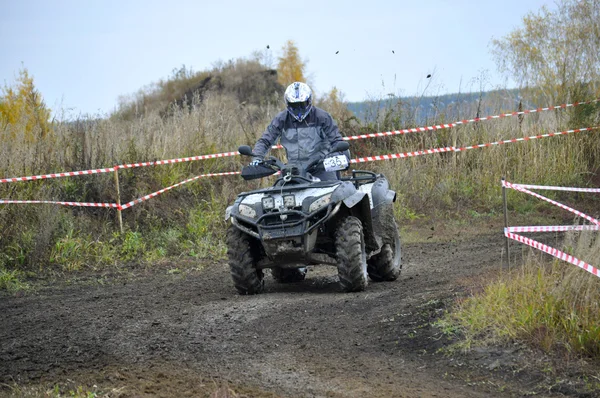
{"x":305,"y":131}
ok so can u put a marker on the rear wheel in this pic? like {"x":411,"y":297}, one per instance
{"x":243,"y":253}
{"x":350,"y":251}
{"x":288,"y":275}
{"x":387,"y":264}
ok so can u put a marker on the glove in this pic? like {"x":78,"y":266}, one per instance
{"x":256,"y":161}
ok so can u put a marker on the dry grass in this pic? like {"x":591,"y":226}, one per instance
{"x":188,"y":220}
{"x":554,"y":306}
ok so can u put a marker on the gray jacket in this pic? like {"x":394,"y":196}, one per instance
{"x":303,"y":141}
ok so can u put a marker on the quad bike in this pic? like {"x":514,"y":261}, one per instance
{"x":300,"y":221}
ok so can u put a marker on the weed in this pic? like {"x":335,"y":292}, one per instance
{"x":132,"y":245}
{"x":70,"y":252}
{"x":12,"y":280}
{"x":551,"y":306}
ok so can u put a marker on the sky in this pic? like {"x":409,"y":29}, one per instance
{"x":84,"y":55}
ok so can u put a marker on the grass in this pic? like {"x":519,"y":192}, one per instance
{"x":70,"y":390}
{"x":12,"y":280}
{"x":554,"y":306}
{"x":188,"y":221}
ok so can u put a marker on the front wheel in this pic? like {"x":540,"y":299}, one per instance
{"x":243,"y":253}
{"x":350,"y":252}
{"x":387,"y":264}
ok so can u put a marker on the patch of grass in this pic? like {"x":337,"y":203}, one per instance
{"x":12,"y":280}
{"x":70,"y":252}
{"x":56,"y":391}
{"x":205,"y":230}
{"x":552,"y":306}
{"x":132,"y":245}
{"x":76,"y":251}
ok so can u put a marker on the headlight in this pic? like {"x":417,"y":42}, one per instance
{"x":247,"y":211}
{"x":268,"y":202}
{"x":289,"y":201}
{"x":321,"y":202}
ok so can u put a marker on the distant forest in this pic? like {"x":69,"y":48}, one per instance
{"x":454,"y":106}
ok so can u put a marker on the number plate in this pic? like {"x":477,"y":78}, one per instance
{"x":336,"y":163}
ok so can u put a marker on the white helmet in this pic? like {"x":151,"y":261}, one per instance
{"x":298,"y":98}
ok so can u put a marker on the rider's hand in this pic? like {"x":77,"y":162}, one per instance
{"x":256,"y":161}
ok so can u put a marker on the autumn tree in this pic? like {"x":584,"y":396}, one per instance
{"x":290,"y":68}
{"x":556,"y":53}
{"x":22,"y":109}
{"x":334,"y":103}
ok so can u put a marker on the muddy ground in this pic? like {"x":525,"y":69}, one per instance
{"x":180,"y":331}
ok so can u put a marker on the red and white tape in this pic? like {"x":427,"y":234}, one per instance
{"x":555,"y":228}
{"x":152,"y":195}
{"x":180,"y":160}
{"x":58,"y":175}
{"x":459,"y":149}
{"x":553,"y":188}
{"x":402,"y":155}
{"x":356,"y":137}
{"x":507,"y":184}
{"x":357,"y":160}
{"x":534,"y":137}
{"x":477,"y":119}
{"x":114,"y":205}
{"x":554,"y":252}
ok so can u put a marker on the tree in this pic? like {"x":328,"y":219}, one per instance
{"x":556,"y":52}
{"x":335,"y":104}
{"x":23,"y":109}
{"x":290,"y":67}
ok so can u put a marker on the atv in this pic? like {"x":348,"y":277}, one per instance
{"x":300,"y":220}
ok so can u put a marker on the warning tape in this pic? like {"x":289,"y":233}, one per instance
{"x":352,"y":161}
{"x":402,"y":155}
{"x":356,"y":137}
{"x":180,"y":160}
{"x":466,"y":121}
{"x":58,"y":175}
{"x":144,"y":198}
{"x":459,"y":149}
{"x":552,"y":188}
{"x":553,"y":252}
{"x":114,"y":205}
{"x":534,"y":137}
{"x":509,"y":232}
{"x":555,"y":228}
{"x":507,"y":184}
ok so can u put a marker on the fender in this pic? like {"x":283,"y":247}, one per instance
{"x":354,"y":199}
{"x":359,"y":206}
{"x":381,"y":193}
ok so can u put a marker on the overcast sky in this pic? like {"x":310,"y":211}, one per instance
{"x":84,"y":54}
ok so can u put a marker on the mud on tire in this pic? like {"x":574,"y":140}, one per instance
{"x":387,"y":264}
{"x":243,"y":255}
{"x":350,"y":252}
{"x":284,"y":275}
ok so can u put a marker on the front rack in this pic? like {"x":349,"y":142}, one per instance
{"x":361,"y":177}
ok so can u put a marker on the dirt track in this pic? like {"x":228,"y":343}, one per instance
{"x":186,"y":334}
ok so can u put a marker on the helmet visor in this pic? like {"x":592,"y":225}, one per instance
{"x":298,"y":106}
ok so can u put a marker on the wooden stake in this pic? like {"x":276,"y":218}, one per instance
{"x":119,"y":216}
{"x":506,"y":223}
